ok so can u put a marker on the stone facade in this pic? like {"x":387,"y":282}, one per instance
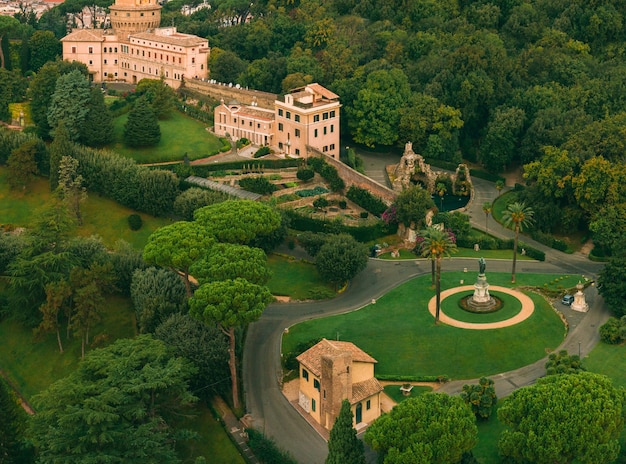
{"x":332,"y":371}
{"x":136,"y":48}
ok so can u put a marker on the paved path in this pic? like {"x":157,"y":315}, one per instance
{"x":271,"y":412}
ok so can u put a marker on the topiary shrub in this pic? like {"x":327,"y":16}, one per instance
{"x":320,"y":202}
{"x":259,"y":185}
{"x":262,"y":152}
{"x":305,"y":174}
{"x":135,"y":222}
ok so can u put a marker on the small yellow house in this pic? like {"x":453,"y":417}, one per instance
{"x":332,"y":371}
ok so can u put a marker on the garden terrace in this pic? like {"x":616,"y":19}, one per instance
{"x":233,"y":191}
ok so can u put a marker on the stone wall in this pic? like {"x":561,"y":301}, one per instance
{"x":243,"y":96}
{"x":352,"y":177}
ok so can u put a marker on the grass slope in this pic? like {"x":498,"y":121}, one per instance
{"x":101,"y":216}
{"x":401,"y":334}
{"x":297,"y":279}
{"x":180,"y":134}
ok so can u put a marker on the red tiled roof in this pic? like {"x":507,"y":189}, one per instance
{"x":84,"y":35}
{"x":365,"y":389}
{"x":312,"y":358}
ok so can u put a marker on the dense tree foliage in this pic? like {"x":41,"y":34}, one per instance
{"x":340,"y":259}
{"x":563,"y":363}
{"x":159,"y":94}
{"x":13,"y":447}
{"x":412,"y":205}
{"x":343,"y":445}
{"x":433,"y":428}
{"x":583,"y":423}
{"x":230,"y":304}
{"x":229,"y":261}
{"x":205,"y":346}
{"x":119,"y":405}
{"x":612,"y":285}
{"x":142,"y":127}
{"x":481,"y":397}
{"x":69,"y":103}
{"x":156,"y":295}
{"x":195,"y":198}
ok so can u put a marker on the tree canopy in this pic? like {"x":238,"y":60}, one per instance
{"x":433,"y":428}
{"x":583,"y":421}
{"x":343,"y":445}
{"x":340,"y":259}
{"x":117,"y":406}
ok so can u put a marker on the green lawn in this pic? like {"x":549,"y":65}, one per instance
{"x":609,"y":360}
{"x":180,"y":134}
{"x":393,"y":392}
{"x":297,"y":279}
{"x":401,"y":334}
{"x":213,"y":443}
{"x":33,"y":365}
{"x":101,"y":216}
{"x":510,"y":307}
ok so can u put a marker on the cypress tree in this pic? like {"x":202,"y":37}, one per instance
{"x":142,"y":128}
{"x":61,"y":146}
{"x":343,"y":446}
{"x":97,"y":130}
{"x":12,"y":445}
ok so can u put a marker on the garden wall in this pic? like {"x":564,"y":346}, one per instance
{"x":243,"y":96}
{"x":352,"y":177}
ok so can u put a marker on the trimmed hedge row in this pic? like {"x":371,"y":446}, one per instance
{"x":362,"y":234}
{"x":486,"y":175}
{"x":328,"y":172}
{"x":366,"y":200}
{"x":494,"y":243}
{"x":194,"y":112}
{"x":549,"y":240}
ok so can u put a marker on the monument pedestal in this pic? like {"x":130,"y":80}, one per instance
{"x":579,"y":303}
{"x":481,"y":300}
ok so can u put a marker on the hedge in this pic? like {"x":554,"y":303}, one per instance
{"x":260,"y":185}
{"x":549,"y":240}
{"x":366,"y":200}
{"x":328,"y":172}
{"x":194,"y":112}
{"x":494,"y":243}
{"x":362,"y":233}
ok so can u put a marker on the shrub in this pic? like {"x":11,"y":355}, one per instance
{"x":242,"y":142}
{"x":259,"y":185}
{"x":343,"y":204}
{"x":364,"y":214}
{"x":311,"y":192}
{"x":262,"y":152}
{"x":266,"y":450}
{"x":135,"y":222}
{"x":614,"y":331}
{"x":320,"y":202}
{"x":305,"y":174}
{"x":328,"y":172}
{"x":366,"y":200}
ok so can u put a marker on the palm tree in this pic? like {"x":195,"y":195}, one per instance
{"x":441,"y":191}
{"x":487,"y":210}
{"x":517,"y":216}
{"x":499,"y":186}
{"x":435,"y":245}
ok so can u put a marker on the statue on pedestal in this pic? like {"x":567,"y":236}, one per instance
{"x":482,"y":265}
{"x":481,"y":301}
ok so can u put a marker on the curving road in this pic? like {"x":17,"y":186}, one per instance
{"x":271,"y":412}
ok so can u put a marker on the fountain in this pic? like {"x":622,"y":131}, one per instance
{"x":481,"y":301}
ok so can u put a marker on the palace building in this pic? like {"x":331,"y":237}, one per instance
{"x":136,"y":48}
{"x":306,"y":116}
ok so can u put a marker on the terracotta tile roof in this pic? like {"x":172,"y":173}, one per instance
{"x":365,"y":389}
{"x":323,"y":91}
{"x":177,"y":38}
{"x":84,"y":35}
{"x":312,"y":358}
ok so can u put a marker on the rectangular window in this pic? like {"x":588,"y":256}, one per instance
{"x":105,"y":61}
{"x":315,"y":133}
{"x":297,"y":131}
{"x":235,"y":120}
{"x":297,"y":117}
{"x":332,"y":128}
{"x":280,"y":145}
{"x":149,"y":54}
{"x":324,"y":394}
{"x":325,"y":129}
{"x":250,"y":123}
{"x":325,"y":149}
{"x":90,"y":62}
{"x":332,"y":146}
{"x":298,"y":154}
{"x":368,"y":405}
{"x":115,"y":49}
{"x":305,"y":374}
{"x":179,"y":60}
{"x":325,"y":116}
{"x":73,"y":49}
{"x":316,"y":384}
{"x":288,"y":115}
{"x":332,"y":114}
{"x":90,"y":49}
{"x":280,"y":126}
{"x":313,"y":404}
{"x":316,"y":118}
{"x":115,"y":62}
{"x":280,"y":112}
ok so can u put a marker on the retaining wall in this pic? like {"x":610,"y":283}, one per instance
{"x":243,"y":96}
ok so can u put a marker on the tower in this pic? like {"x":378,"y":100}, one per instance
{"x":133,"y":16}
